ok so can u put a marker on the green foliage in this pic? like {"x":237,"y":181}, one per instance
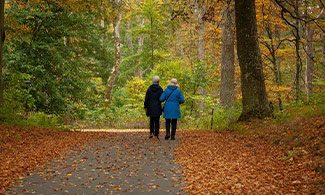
{"x":314,"y":107}
{"x":60,"y":51}
{"x":67,"y":55}
{"x":213,"y":117}
{"x":38,"y":119}
{"x":131,"y":110}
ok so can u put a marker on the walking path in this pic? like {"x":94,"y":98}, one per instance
{"x":122,"y":163}
{"x":112,"y":130}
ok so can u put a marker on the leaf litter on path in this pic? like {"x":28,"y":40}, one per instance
{"x":213,"y":162}
{"x":110,"y":163}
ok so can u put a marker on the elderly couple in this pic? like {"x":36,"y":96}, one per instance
{"x":173,"y":97}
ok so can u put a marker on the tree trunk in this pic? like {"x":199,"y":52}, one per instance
{"x":255,"y":103}
{"x":141,"y":37}
{"x":129,"y":34}
{"x":139,"y":72}
{"x":201,"y":9}
{"x":323,"y":52}
{"x":102,"y":20}
{"x":275,"y":60}
{"x":151,"y":37}
{"x":180,"y":46}
{"x":201,"y":27}
{"x":309,"y":60}
{"x":2,"y":39}
{"x":227,"y":91}
{"x":116,"y":25}
{"x":298,"y":59}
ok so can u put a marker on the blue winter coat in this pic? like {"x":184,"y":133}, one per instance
{"x":171,"y":108}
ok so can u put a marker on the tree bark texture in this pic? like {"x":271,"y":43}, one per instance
{"x":254,"y":97}
{"x":2,"y":39}
{"x":141,"y":36}
{"x":129,"y":34}
{"x":201,"y":10}
{"x":323,"y":51}
{"x":201,"y":27}
{"x":152,"y":41}
{"x":117,"y":44}
{"x":309,"y":60}
{"x":298,"y":59}
{"x":227,"y":90}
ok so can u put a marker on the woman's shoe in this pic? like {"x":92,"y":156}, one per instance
{"x":167,"y":137}
{"x":173,"y":138}
{"x":151,"y":135}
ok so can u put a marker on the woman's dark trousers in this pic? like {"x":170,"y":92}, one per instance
{"x":174,"y":124}
{"x":154,"y":125}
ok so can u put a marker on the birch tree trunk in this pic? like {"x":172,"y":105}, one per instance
{"x":141,"y":36}
{"x":201,"y":9}
{"x":227,"y":91}
{"x":201,"y":26}
{"x":139,"y":72}
{"x":255,"y":103}
{"x":117,"y":4}
{"x":102,"y":20}
{"x":309,"y":60}
{"x":129,"y":34}
{"x":2,"y":39}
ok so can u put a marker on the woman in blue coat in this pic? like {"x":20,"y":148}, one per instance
{"x":173,"y":98}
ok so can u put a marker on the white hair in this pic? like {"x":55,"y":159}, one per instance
{"x":155,"y":79}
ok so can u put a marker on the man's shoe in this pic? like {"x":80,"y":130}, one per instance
{"x":157,"y":136}
{"x":167,"y":137}
{"x":173,"y":138}
{"x":151,"y":135}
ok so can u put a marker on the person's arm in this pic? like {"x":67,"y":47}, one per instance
{"x":181,"y":97}
{"x":146,"y":100}
{"x":163,"y":96}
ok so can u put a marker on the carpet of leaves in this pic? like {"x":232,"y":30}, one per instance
{"x":22,"y":149}
{"x":270,"y":159}
{"x":289,"y":160}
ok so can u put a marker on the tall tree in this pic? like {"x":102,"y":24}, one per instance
{"x":201,"y":9}
{"x":297,"y":44}
{"x":2,"y":39}
{"x":271,"y":28}
{"x":117,"y":7}
{"x":129,"y":34}
{"x":309,"y":60}
{"x":323,"y":52}
{"x":309,"y":32}
{"x":292,"y":8}
{"x":227,"y":90}
{"x":255,"y":103}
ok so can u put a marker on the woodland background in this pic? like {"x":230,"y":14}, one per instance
{"x":63,"y":64}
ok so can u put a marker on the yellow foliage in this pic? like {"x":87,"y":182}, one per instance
{"x":135,"y":89}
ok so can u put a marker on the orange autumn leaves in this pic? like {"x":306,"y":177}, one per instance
{"x":223,"y":163}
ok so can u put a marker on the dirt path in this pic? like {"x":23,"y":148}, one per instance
{"x":123,"y":163}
